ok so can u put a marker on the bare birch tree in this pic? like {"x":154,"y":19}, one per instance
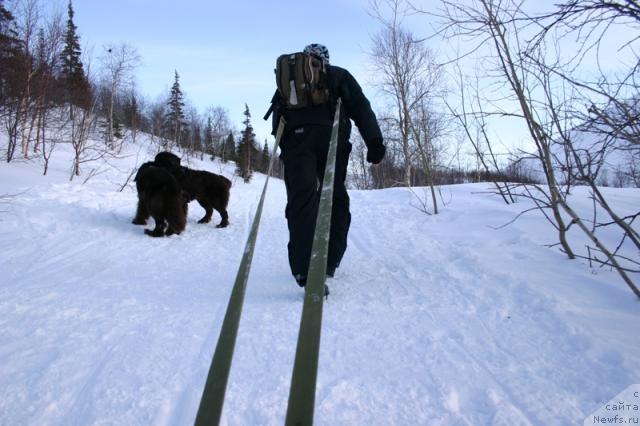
{"x":118,"y":63}
{"x":470,"y":115}
{"x":19,"y":108}
{"x":535,"y":76}
{"x":218,"y":117}
{"x":612,"y":116}
{"x":50,"y":41}
{"x":409,"y":76}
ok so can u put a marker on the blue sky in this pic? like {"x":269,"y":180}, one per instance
{"x":225,"y":51}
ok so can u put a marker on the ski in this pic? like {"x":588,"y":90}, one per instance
{"x":212,"y":400}
{"x":305,"y":370}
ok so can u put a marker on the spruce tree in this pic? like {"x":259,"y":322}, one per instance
{"x":7,"y":32}
{"x":228,"y":152}
{"x":208,"y":139}
{"x":195,"y":137}
{"x":43,"y":66}
{"x":117,"y":128}
{"x":247,"y":154}
{"x":266,"y":158}
{"x":132,"y":113}
{"x":175,"y":120}
{"x":75,"y":82}
{"x":9,"y":42}
{"x":10,"y":52}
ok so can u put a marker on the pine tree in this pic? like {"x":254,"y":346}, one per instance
{"x":13,"y":84}
{"x":10,"y":53}
{"x":7,"y":32}
{"x":8,"y":36}
{"x":208,"y":139}
{"x":195,"y":138}
{"x":247,"y":155}
{"x":175,"y":120}
{"x":117,"y":128}
{"x":228,"y":151}
{"x":75,"y":82}
{"x":132,"y":113}
{"x":43,"y":67}
{"x":266,"y":158}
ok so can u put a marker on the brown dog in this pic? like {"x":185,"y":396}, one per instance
{"x":159,"y":196}
{"x":209,"y":189}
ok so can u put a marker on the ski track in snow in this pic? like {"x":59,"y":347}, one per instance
{"x":431,"y":319}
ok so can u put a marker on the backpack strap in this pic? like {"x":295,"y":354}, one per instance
{"x":276,"y":102}
{"x":269,"y":111}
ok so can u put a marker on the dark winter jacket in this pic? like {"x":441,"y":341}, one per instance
{"x":355,"y":106}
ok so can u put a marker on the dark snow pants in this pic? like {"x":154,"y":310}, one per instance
{"x":304,"y":153}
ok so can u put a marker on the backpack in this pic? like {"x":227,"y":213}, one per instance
{"x":302,"y":80}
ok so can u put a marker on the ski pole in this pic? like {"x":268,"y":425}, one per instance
{"x":212,"y":401}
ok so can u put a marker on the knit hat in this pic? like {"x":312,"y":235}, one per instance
{"x":318,"y":50}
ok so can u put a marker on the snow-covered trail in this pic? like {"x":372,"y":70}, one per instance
{"x":462,"y":338}
{"x":431,"y":323}
{"x":431,"y":320}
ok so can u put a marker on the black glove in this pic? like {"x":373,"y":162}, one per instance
{"x":375,"y":152}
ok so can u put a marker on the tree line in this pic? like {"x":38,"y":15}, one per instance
{"x":50,"y":95}
{"x":430,"y":137}
{"x":438,"y":114}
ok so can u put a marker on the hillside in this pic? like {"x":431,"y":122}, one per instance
{"x":431,"y":320}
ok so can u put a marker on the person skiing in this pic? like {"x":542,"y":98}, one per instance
{"x":304,"y":146}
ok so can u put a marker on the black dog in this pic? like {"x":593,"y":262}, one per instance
{"x":209,"y":189}
{"x":159,"y":196}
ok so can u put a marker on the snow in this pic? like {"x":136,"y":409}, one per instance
{"x":445,"y":319}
